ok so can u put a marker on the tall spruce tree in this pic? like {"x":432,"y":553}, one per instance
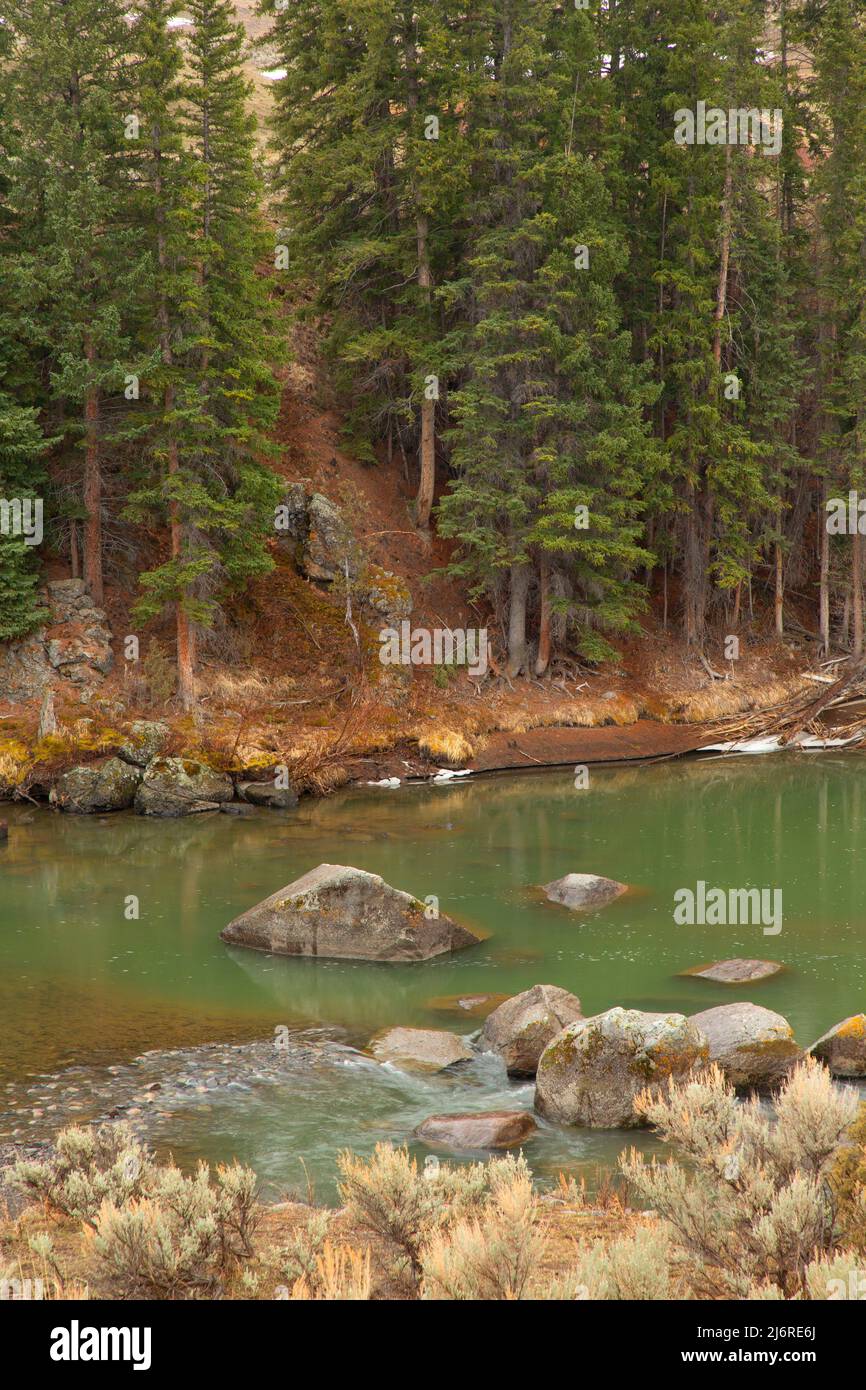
{"x":213,"y":395}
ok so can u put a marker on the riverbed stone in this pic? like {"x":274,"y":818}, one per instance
{"x":174,"y":787}
{"x":344,"y":913}
{"x":591,"y":1072}
{"x":736,"y":972}
{"x":109,"y":785}
{"x":468,"y":1005}
{"x":489,"y":1129}
{"x":420,"y":1049}
{"x":754,"y":1047}
{"x":268,"y":794}
{"x":146,"y":740}
{"x":580,"y":891}
{"x":520,"y":1029}
{"x":843,"y":1048}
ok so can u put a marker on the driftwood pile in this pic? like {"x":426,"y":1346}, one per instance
{"x":835,"y":705}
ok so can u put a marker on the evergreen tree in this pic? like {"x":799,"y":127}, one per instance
{"x":213,"y":395}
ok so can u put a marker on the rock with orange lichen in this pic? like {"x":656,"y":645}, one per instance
{"x":843,"y":1049}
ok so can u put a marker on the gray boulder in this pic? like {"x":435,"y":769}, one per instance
{"x":181,"y":787}
{"x":267,"y":794}
{"x":579,"y":891}
{"x":420,"y":1049}
{"x":146,"y":740}
{"x":754,"y":1047}
{"x":105,"y":786}
{"x":736,"y":972}
{"x":591,"y":1072}
{"x":843,"y":1049}
{"x":489,"y":1129}
{"x":345,"y":913}
{"x":520,"y":1029}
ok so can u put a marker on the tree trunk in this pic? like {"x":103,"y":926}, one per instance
{"x":824,"y":590}
{"x":92,"y":487}
{"x":427,"y":480}
{"x":543,"y":659}
{"x":520,"y":577}
{"x":724,"y":259}
{"x":780,"y":592}
{"x":857,"y":592}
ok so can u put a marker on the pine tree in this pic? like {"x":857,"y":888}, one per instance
{"x":79,"y":258}
{"x":213,"y":395}
{"x":551,"y":444}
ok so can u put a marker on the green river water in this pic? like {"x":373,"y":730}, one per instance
{"x":83,"y":987}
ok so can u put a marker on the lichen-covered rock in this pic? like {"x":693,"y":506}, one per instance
{"x":330,"y":547}
{"x":520,"y":1029}
{"x":74,"y":646}
{"x":420,"y":1049}
{"x":843,"y":1049}
{"x":580,"y":891}
{"x":735,"y":972}
{"x":384,"y":596}
{"x":347,"y":914}
{"x":147,"y":738}
{"x":489,"y":1129}
{"x":94,"y":787}
{"x":181,"y":787}
{"x":754,"y":1047}
{"x":591,"y":1072}
{"x":268,"y":794}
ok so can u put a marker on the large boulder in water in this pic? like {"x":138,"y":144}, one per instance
{"x":420,"y":1049}
{"x":581,"y":891}
{"x":754,"y":1047}
{"x":95,"y":787}
{"x":181,"y":787}
{"x":520,"y":1029}
{"x":591,"y":1072}
{"x":735,"y":972}
{"x":347,"y":914}
{"x":490,"y":1129}
{"x":843,"y":1049}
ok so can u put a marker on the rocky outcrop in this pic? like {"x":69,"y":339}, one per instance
{"x":591,"y":1072}
{"x":268,"y":794}
{"x":843,"y":1049}
{"x":580,"y":891}
{"x":491,"y":1129}
{"x":74,"y":647}
{"x":147,"y":739}
{"x":735,"y":972}
{"x":520,"y":1029}
{"x":181,"y":787}
{"x":325,"y":549}
{"x":105,"y":786}
{"x":754,"y":1047}
{"x":347,"y":914}
{"x":420,"y":1049}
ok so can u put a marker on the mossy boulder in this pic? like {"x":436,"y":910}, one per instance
{"x":520,"y":1029}
{"x":581,"y":892}
{"x":591,"y":1072}
{"x":843,"y":1049}
{"x":488,"y":1129}
{"x":146,"y":740}
{"x":92,"y":788}
{"x":345,"y":913}
{"x":754,"y":1047}
{"x":174,"y":787}
{"x":420,"y":1049}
